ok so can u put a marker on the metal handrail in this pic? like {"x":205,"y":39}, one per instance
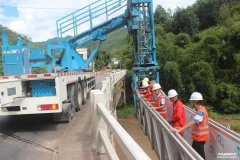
{"x":149,"y":115}
{"x":88,"y":14}
{"x":104,"y":122}
{"x":221,"y":139}
{"x":131,"y":149}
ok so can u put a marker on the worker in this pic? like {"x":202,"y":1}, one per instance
{"x":199,"y":124}
{"x":149,"y":93}
{"x":146,"y":79}
{"x":178,"y":117}
{"x":144,"y":84}
{"x":144,"y":88}
{"x":159,"y":101}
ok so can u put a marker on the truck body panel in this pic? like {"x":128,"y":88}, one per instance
{"x":27,"y":94}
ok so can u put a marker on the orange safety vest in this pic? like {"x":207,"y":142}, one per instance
{"x":200,"y":132}
{"x":150,"y":97}
{"x":162,"y":112}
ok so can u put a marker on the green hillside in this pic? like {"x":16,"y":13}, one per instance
{"x":115,"y":40}
{"x":12,"y":37}
{"x":12,"y":40}
{"x":44,"y":44}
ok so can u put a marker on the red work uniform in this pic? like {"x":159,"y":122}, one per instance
{"x":142,"y":91}
{"x":179,"y":117}
{"x":150,"y":97}
{"x":147,"y":93}
{"x":160,"y":100}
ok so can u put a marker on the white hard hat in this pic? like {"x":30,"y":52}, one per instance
{"x":156,"y":86}
{"x":145,"y":84}
{"x":196,"y":96}
{"x":172,"y":93}
{"x":146,"y":79}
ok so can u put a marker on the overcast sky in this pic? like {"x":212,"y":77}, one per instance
{"x":37,"y":19}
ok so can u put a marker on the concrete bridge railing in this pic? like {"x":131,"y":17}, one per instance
{"x":106,"y":127}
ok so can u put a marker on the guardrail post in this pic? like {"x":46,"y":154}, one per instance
{"x":97,"y":96}
{"x":108,"y":91}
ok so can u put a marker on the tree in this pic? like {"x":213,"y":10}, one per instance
{"x":224,"y":14}
{"x":125,"y":56}
{"x":186,"y":21}
{"x":166,"y":49}
{"x":101,"y":60}
{"x":235,"y":12}
{"x":182,"y":40}
{"x":236,"y":74}
{"x":162,"y":17}
{"x":234,"y":34}
{"x":198,"y":76}
{"x":207,"y":12}
{"x":171,"y":77}
{"x":228,"y":98}
{"x":211,"y":49}
{"x":159,"y":31}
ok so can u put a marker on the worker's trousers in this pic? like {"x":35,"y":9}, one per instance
{"x":199,"y":148}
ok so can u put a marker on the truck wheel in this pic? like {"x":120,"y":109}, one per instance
{"x":69,"y":111}
{"x":66,"y":115}
{"x":84,"y":91}
{"x":79,"y":97}
{"x":73,"y":96}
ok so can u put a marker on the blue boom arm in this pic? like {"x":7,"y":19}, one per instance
{"x":138,"y":17}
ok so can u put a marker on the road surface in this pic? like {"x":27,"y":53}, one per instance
{"x":38,"y":137}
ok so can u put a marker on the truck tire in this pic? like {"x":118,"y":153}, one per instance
{"x":79,"y":97}
{"x":73,"y":96}
{"x":66,"y":115}
{"x":84,"y":92}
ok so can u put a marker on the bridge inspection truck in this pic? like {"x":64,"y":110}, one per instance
{"x":66,"y":83}
{"x":65,"y":86}
{"x":60,"y":91}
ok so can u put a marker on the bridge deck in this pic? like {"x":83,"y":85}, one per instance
{"x":78,"y":140}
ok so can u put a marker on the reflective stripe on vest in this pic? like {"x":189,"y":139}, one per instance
{"x":200,"y":132}
{"x":162,"y":111}
{"x":200,"y":128}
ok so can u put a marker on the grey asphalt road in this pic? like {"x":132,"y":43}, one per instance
{"x":37,"y":137}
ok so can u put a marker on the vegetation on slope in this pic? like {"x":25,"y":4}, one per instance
{"x":196,"y":53}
